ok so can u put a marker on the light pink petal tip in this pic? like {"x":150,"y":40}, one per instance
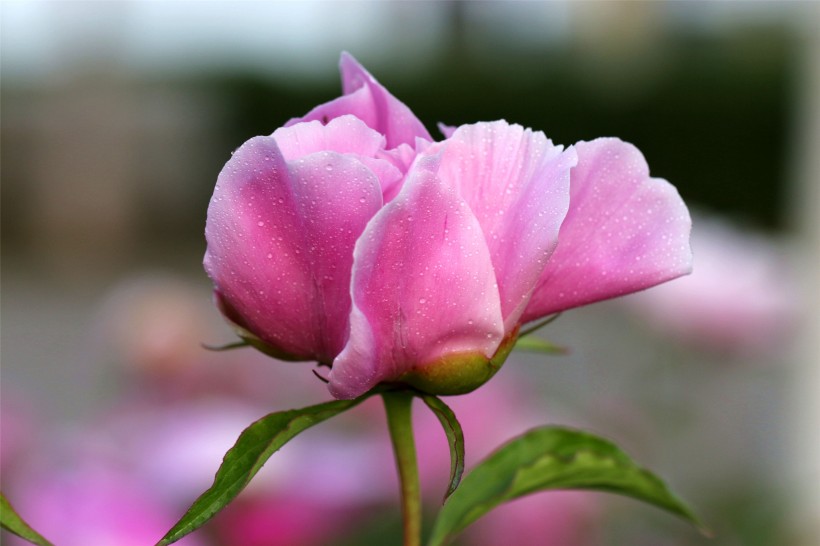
{"x":516,"y":182}
{"x":423,"y":287}
{"x":624,"y":231}
{"x":280,"y":248}
{"x":368,"y":100}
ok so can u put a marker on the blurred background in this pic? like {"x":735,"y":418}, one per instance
{"x":116,"y":119}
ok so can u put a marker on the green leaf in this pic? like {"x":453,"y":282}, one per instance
{"x":550,"y":458}
{"x":253,"y":448}
{"x":455,"y":438}
{"x":13,"y":523}
{"x":227,"y":347}
{"x":538,"y":345}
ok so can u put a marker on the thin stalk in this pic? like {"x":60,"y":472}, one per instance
{"x":398,"y":405}
{"x":539,"y":325}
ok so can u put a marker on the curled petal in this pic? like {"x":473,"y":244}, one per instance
{"x":402,"y":158}
{"x":346,"y":135}
{"x":368,"y":100}
{"x":624,"y":231}
{"x":280,"y":244}
{"x":517,"y":184}
{"x":423,"y":288}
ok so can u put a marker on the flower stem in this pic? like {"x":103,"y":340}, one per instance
{"x":398,"y":405}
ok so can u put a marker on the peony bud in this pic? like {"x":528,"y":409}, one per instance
{"x":348,"y":237}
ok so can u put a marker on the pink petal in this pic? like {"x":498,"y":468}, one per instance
{"x":423,"y":287}
{"x":402,"y":158}
{"x":517,"y":184}
{"x":446,"y":130}
{"x":280,"y":243}
{"x":368,"y":100}
{"x":345,"y":135}
{"x":624,"y":231}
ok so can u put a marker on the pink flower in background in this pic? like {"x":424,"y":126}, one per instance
{"x":18,"y":430}
{"x":741,"y":299}
{"x":307,"y":494}
{"x":94,"y":505}
{"x":154,"y":324}
{"x":349,"y":238}
{"x":277,"y":521}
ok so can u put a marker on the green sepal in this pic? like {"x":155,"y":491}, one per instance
{"x":241,"y":344}
{"x":253,"y":341}
{"x":459,"y":373}
{"x":455,"y":440}
{"x":535,"y":344}
{"x":551,"y":458}
{"x":253,"y":448}
{"x":13,"y":523}
{"x":249,"y":339}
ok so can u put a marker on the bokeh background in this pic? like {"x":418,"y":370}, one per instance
{"x":117,"y":117}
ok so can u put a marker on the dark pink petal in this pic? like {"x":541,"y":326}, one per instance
{"x":280,"y":244}
{"x":368,"y":100}
{"x":345,"y":135}
{"x":517,"y":184}
{"x":423,"y":287}
{"x":624,"y":231}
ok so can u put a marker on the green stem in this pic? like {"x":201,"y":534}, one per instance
{"x":398,"y":405}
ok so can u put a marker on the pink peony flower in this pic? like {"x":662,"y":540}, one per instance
{"x":349,"y":238}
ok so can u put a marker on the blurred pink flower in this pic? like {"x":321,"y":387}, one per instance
{"x":740,"y":299}
{"x":258,"y":520}
{"x":349,"y":238}
{"x":153,"y":324}
{"x":94,"y":504}
{"x":307,"y":493}
{"x":17,"y":430}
